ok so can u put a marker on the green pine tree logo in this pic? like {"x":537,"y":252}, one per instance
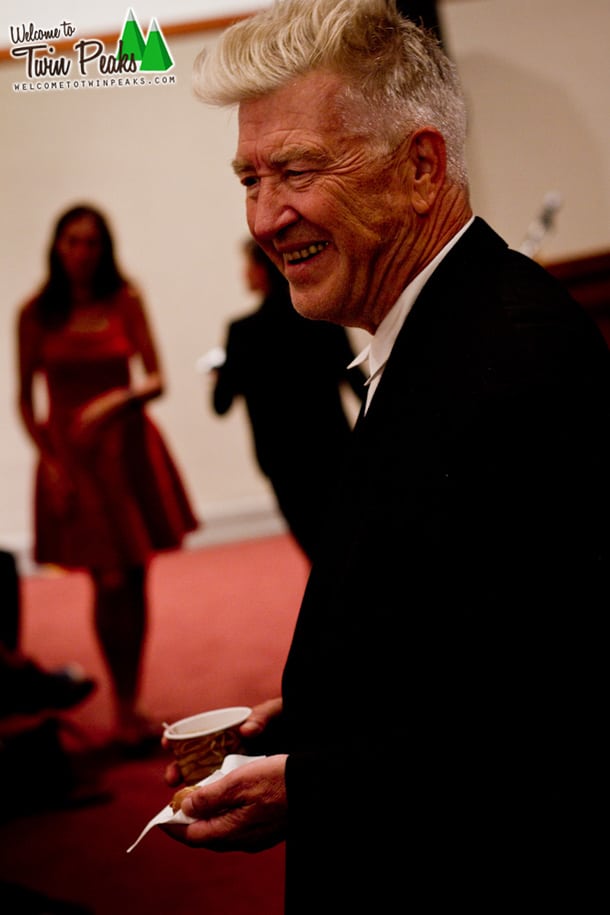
{"x":152,"y":52}
{"x":156,"y":53}
{"x":132,"y":40}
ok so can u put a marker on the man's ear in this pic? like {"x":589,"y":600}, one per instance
{"x":428,"y":164}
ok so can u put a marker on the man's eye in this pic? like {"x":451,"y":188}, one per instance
{"x":299,"y":177}
{"x":249,"y":181}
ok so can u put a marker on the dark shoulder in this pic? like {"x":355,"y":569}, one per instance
{"x":496,"y":285}
{"x":248,"y":324}
{"x":536,"y":301}
{"x":128,"y":303}
{"x":28,"y":312}
{"x":127,"y":297}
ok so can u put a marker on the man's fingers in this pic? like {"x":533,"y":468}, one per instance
{"x":173,"y":775}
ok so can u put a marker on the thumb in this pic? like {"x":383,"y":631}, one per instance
{"x":205,"y":802}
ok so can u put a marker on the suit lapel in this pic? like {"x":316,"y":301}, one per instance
{"x":458,"y":288}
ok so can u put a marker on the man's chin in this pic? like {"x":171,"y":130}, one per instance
{"x":309,"y":307}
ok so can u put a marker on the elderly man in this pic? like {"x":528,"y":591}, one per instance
{"x":433,"y":745}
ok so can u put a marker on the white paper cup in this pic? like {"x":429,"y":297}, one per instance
{"x":201,"y":742}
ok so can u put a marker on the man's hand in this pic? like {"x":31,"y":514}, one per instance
{"x":244,"y":810}
{"x":254,"y":725}
{"x":260,"y":717}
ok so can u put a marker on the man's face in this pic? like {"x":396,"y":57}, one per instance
{"x":328,"y":210}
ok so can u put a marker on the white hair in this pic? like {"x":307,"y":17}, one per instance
{"x":396,"y":71}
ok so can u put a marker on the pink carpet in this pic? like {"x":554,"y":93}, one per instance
{"x":221,"y":622}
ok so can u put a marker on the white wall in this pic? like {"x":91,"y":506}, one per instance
{"x":157,"y":161}
{"x":537,"y":75}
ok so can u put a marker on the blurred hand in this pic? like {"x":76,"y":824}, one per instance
{"x":88,"y":419}
{"x":58,"y":485}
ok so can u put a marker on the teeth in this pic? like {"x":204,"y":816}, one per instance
{"x":304,"y":253}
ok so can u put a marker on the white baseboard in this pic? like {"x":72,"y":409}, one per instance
{"x":237,"y":521}
{"x":222,"y":523}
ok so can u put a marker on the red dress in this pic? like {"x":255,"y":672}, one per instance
{"x":127,"y":499}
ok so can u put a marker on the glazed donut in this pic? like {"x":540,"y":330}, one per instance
{"x":176,"y":801}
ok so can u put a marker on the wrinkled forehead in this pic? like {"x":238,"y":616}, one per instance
{"x":311,"y":112}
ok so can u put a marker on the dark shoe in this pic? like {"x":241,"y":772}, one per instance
{"x":138,"y":738}
{"x":36,"y":757}
{"x":55,"y":690}
{"x":20,"y":900}
{"x":81,"y":794}
{"x":68,"y":687}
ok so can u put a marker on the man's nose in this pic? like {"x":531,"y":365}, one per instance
{"x":271,"y":210}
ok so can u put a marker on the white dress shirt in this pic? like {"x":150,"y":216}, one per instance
{"x":378,"y":350}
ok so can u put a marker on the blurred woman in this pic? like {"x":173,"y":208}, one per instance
{"x":107,"y":492}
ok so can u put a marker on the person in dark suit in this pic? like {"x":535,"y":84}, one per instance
{"x":32,"y":700}
{"x":422,"y":12}
{"x":290,"y":372}
{"x":436,"y":746}
{"x":25,"y":686}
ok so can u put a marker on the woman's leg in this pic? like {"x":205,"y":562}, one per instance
{"x":121,"y":616}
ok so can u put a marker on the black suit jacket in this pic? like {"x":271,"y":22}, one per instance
{"x":443,"y":676}
{"x":290,"y":371}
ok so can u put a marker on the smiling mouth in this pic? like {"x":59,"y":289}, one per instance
{"x":304,"y":254}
